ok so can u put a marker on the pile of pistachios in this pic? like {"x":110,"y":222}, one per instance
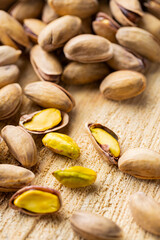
{"x":75,"y":42}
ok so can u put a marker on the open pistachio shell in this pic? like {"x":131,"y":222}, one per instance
{"x":153,"y":6}
{"x":33,"y":27}
{"x":48,"y":14}
{"x":47,"y":200}
{"x":8,"y":55}
{"x":8,"y":74}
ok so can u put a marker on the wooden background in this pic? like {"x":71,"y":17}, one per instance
{"x":136,"y":122}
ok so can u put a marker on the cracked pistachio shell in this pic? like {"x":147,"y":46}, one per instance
{"x":61,"y":144}
{"x":95,"y":227}
{"x":46,"y":65}
{"x":8,"y":74}
{"x":8,"y":55}
{"x":52,"y":122}
{"x":88,"y":48}
{"x":153,"y":6}
{"x":58,"y":32}
{"x":36,"y":200}
{"x":10,"y":100}
{"x":50,"y":95}
{"x":127,"y":13}
{"x":13,"y":177}
{"x":21,"y":145}
{"x":139,"y":41}
{"x":75,"y":177}
{"x":146,"y":212}
{"x":105,"y":26}
{"x":33,"y":27}
{"x":5,"y":4}
{"x":105,"y":142}
{"x":48,"y":14}
{"x":140,"y":163}
{"x":82,"y":73}
{"x":80,"y":8}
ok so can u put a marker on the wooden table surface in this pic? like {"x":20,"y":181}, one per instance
{"x":136,"y":122}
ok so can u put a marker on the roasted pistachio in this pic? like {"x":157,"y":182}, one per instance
{"x":36,"y":200}
{"x":50,"y":95}
{"x":48,"y":14}
{"x":153,"y":6}
{"x":75,"y":177}
{"x":8,"y":74}
{"x":13,"y":177}
{"x":20,"y":144}
{"x":105,"y":141}
{"x":61,"y":144}
{"x":8,"y":55}
{"x":44,"y":121}
{"x":58,"y":32}
{"x":33,"y":27}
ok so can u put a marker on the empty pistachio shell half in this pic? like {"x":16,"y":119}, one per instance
{"x":75,"y":177}
{"x":140,"y":163}
{"x":58,"y":32}
{"x":88,"y":48}
{"x":20,"y":144}
{"x":36,"y":200}
{"x":105,"y":141}
{"x":49,"y":95}
{"x":8,"y":55}
{"x":48,"y":14}
{"x":8,"y":74}
{"x":44,"y":121}
{"x":33,"y":27}
{"x":14,"y":177}
{"x":124,"y":84}
{"x":46,"y":65}
{"x":146,"y":212}
{"x":61,"y":144}
{"x":95,"y":227}
{"x":153,"y":6}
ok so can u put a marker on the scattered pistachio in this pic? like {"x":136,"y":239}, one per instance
{"x":33,"y":27}
{"x":8,"y":55}
{"x":48,"y":14}
{"x":8,"y":74}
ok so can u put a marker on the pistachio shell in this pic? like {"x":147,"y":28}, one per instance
{"x":48,"y":14}
{"x":20,"y":144}
{"x":153,"y":6}
{"x":8,"y":74}
{"x":8,"y":55}
{"x":33,"y":27}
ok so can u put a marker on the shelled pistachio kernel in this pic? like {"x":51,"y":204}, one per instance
{"x":61,"y":144}
{"x":75,"y":177}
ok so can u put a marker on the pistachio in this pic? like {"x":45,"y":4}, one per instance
{"x":82,"y":73}
{"x":44,"y":121}
{"x":146,"y":212}
{"x":58,"y":32}
{"x":13,"y":177}
{"x":11,"y":32}
{"x":48,"y":14}
{"x":33,"y":27}
{"x":140,"y":41}
{"x":105,"y":141}
{"x":105,"y":26}
{"x":61,"y":144}
{"x":124,"y":84}
{"x":36,"y":200}
{"x":50,"y":95}
{"x":10,"y":100}
{"x":8,"y":55}
{"x":153,"y":6}
{"x":75,"y":177}
{"x":20,"y":144}
{"x":46,"y":65}
{"x":80,"y":8}
{"x":88,"y":48}
{"x":127,"y":13}
{"x":140,"y":163}
{"x":8,"y":74}
{"x":95,"y":227}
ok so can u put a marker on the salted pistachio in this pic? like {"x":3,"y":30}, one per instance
{"x":105,"y":26}
{"x":58,"y":32}
{"x":8,"y":74}
{"x":95,"y":227}
{"x":61,"y":144}
{"x":80,"y":8}
{"x":48,"y":14}
{"x":88,"y":48}
{"x":153,"y":6}
{"x":33,"y":27}
{"x":5,"y":4}
{"x":105,"y":141}
{"x":140,"y":41}
{"x":75,"y":177}
{"x":10,"y":100}
{"x":36,"y":200}
{"x":46,"y":65}
{"x":49,"y":95}
{"x":82,"y":73}
{"x":146,"y":212}
{"x":21,"y":145}
{"x":8,"y":55}
{"x":44,"y":121}
{"x":127,"y":13}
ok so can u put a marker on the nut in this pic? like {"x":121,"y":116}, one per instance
{"x":8,"y":55}
{"x":75,"y":177}
{"x":140,"y":163}
{"x":13,"y":177}
{"x":33,"y":27}
{"x":36,"y":200}
{"x":95,"y":227}
{"x":153,"y":6}
{"x":8,"y":74}
{"x":124,"y":84}
{"x":48,"y":14}
{"x":20,"y":144}
{"x":61,"y":144}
